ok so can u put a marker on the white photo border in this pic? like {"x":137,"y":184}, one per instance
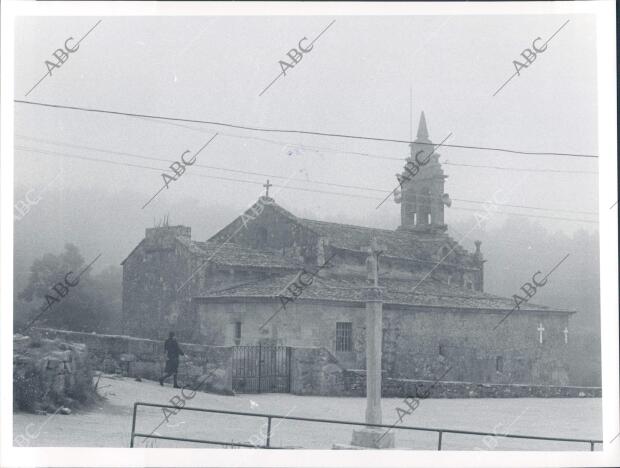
{"x":58,"y":456}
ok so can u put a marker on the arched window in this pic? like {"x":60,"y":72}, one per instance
{"x":424,"y":206}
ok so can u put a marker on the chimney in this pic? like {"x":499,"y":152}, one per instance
{"x":164,"y":236}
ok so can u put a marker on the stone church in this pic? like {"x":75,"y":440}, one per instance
{"x":229,"y":289}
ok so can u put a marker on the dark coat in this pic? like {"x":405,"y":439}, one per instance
{"x":173,"y":351}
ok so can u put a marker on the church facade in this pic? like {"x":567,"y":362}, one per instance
{"x":273,"y":278}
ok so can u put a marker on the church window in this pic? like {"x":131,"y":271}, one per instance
{"x":237,"y":333}
{"x":428,"y":218}
{"x":442,"y":351}
{"x":344,"y":332}
{"x":469,"y":284}
{"x":499,"y":364}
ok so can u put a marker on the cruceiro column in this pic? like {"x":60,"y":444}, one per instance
{"x":374,"y":318}
{"x":373,"y":437}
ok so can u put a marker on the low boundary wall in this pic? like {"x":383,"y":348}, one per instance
{"x":144,"y":358}
{"x":355,"y":385}
{"x":314,"y":371}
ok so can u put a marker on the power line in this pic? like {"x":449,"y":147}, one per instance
{"x":53,"y":153}
{"x":318,"y":149}
{"x":533,"y":216}
{"x":520,"y":169}
{"x":525,"y":206}
{"x":263,"y":174}
{"x":239,"y":171}
{"x":301,"y":132}
{"x":166,"y":183}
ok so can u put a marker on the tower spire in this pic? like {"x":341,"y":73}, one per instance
{"x":422,"y":130}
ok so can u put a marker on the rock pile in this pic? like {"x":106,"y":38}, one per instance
{"x":50,"y":375}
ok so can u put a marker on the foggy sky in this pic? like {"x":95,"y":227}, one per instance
{"x":356,"y":80}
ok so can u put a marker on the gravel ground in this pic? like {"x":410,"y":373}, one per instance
{"x":109,"y":424}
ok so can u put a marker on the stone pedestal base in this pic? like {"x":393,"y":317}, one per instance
{"x":373,"y":438}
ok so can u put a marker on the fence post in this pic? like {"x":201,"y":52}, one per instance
{"x":133,"y":424}
{"x":268,"y":431}
{"x":439,"y":444}
{"x":288,"y":368}
{"x":591,"y":446}
{"x":260,"y":357}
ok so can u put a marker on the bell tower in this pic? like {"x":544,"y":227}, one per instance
{"x":422,"y":197}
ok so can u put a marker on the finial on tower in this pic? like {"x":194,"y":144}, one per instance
{"x":422,"y":130}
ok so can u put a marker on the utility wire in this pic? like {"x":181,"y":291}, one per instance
{"x":239,"y":171}
{"x":53,"y":153}
{"x":263,"y":174}
{"x":139,"y":166}
{"x":319,"y":149}
{"x":301,"y":132}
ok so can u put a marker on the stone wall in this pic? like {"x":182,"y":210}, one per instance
{"x":50,"y":375}
{"x":417,"y":344}
{"x":302,"y":324}
{"x":421,"y":343}
{"x":152,"y":273}
{"x":315,"y":371}
{"x":271,"y":230}
{"x":355,"y":385}
{"x":139,"y":357}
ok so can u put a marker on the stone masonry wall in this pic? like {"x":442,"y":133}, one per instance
{"x":417,"y":344}
{"x":151,"y":276}
{"x":315,"y":371}
{"x":420,"y":344}
{"x":355,"y":385}
{"x":138,"y":357}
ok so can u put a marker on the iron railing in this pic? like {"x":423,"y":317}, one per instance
{"x":260,"y":369}
{"x":267,"y":444}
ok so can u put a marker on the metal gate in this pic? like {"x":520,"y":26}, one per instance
{"x":261,"y":369}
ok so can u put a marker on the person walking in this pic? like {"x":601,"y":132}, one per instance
{"x":172,"y":352}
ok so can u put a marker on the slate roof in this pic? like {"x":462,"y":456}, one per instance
{"x":429,"y":293}
{"x":399,"y":243}
{"x":238,"y":255}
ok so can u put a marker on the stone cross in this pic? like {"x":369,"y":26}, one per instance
{"x":540,"y":329}
{"x":267,"y":185}
{"x":369,"y":436}
{"x":565,"y":335}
